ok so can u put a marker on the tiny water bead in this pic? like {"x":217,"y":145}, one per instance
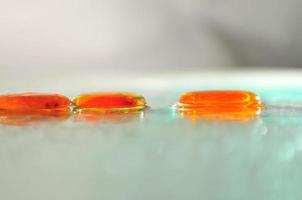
{"x":110,"y":102}
{"x":220,"y":105}
{"x":33,"y":102}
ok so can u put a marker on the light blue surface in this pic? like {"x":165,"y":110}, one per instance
{"x":158,"y":156}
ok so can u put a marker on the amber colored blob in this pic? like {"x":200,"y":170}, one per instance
{"x":33,"y":102}
{"x":220,"y":105}
{"x":110,"y":101}
{"x":28,"y":108}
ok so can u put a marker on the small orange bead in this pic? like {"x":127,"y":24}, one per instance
{"x":221,"y":105}
{"x":110,"y":101}
{"x":33,"y":102}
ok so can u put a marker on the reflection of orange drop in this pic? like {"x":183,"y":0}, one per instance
{"x":27,"y":117}
{"x":110,"y":101}
{"x":33,"y":102}
{"x":196,"y":114}
{"x":94,"y":116}
{"x":220,"y":105}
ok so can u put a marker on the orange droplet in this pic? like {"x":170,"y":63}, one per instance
{"x":110,"y":101}
{"x":33,"y":102}
{"x":220,"y":105}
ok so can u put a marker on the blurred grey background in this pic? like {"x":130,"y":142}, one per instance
{"x":124,"y":36}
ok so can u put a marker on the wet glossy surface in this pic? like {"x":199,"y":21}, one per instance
{"x":110,"y":101}
{"x":162,"y":156}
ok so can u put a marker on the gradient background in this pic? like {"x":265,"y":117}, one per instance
{"x":155,"y":35}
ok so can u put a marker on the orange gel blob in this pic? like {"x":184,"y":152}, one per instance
{"x":110,"y":101}
{"x":29,"y":108}
{"x":220,"y":105}
{"x":33,"y":102}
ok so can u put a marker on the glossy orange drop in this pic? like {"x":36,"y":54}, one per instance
{"x":28,"y":108}
{"x":110,"y":101}
{"x":33,"y":102}
{"x":220,"y":105}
